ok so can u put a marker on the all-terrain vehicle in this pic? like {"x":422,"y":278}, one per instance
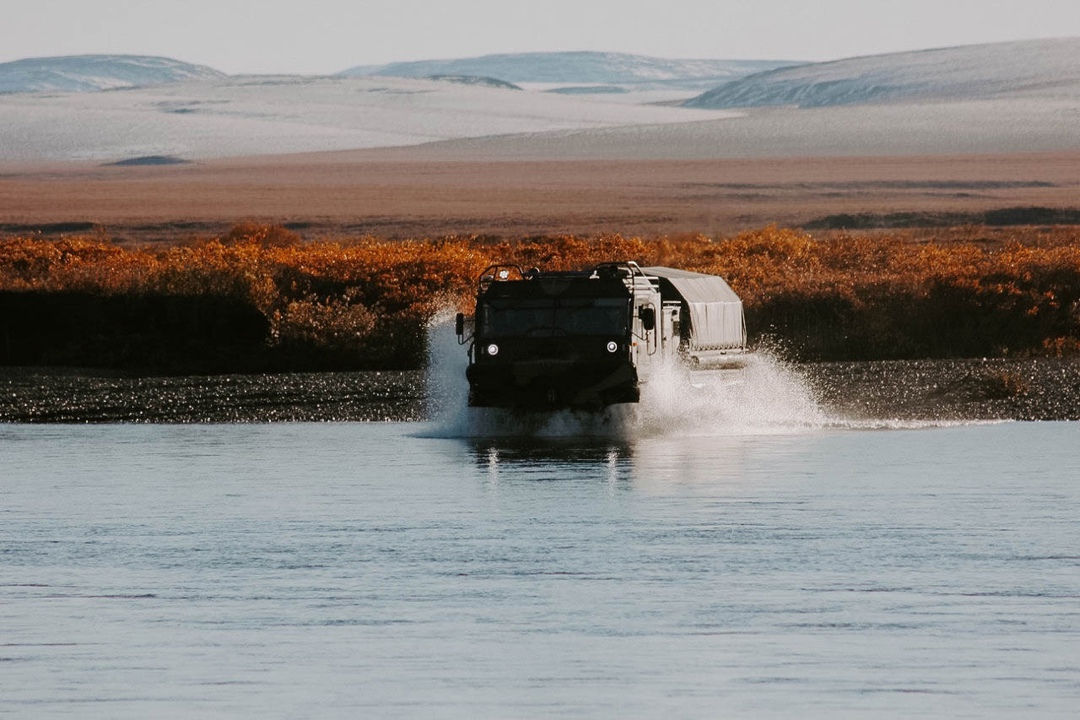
{"x":587,"y":340}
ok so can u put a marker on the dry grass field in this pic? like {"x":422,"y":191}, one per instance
{"x":431,"y":192}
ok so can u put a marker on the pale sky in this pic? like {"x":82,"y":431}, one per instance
{"x":326,"y":36}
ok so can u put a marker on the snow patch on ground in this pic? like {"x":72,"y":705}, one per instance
{"x":1008,"y":125}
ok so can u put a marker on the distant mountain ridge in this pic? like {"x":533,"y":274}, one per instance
{"x":585,"y":67}
{"x":1043,"y":68}
{"x":1039,"y":67}
{"x":87,"y":73}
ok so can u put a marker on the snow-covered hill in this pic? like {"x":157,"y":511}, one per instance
{"x":1037,"y":68}
{"x":260,"y":114}
{"x":573,"y":68}
{"x":82,"y":73}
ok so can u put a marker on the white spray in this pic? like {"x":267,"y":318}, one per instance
{"x":761,"y":397}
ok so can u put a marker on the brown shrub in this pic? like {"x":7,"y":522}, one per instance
{"x":252,"y":233}
{"x":964,"y":291}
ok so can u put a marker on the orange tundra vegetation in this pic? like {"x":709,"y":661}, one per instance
{"x":260,"y":298}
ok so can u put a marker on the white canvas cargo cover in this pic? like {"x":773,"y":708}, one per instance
{"x":716,"y":312}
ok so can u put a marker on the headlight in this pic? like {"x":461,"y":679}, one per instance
{"x":492,"y":349}
{"x":612,"y":346}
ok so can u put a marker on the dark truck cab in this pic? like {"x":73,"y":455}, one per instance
{"x":569,"y":340}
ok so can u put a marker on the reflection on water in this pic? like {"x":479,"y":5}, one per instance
{"x":554,"y":460}
{"x":649,"y":465}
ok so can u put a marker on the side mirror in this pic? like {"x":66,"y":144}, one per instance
{"x":459,"y":324}
{"x":648,"y":318}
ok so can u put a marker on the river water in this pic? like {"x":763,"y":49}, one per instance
{"x":727,"y":551}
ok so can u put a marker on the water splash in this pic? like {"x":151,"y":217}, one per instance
{"x":448,"y":390}
{"x":764,"y":396}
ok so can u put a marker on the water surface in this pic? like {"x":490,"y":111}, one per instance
{"x":351,"y":570}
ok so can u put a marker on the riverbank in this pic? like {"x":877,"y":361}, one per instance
{"x":973,"y":389}
{"x":920,"y":390}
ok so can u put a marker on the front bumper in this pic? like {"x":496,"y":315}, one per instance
{"x":552,"y":384}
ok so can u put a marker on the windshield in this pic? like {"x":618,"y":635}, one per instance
{"x":563,"y":316}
